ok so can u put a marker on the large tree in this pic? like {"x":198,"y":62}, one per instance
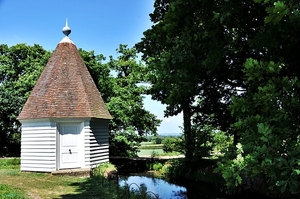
{"x":232,"y":64}
{"x":20,"y":67}
{"x":194,"y":62}
{"x":120,"y":81}
{"x":267,"y":115}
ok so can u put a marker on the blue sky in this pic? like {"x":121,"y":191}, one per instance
{"x":96,"y":25}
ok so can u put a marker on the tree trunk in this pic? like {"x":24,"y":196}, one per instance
{"x":188,"y":133}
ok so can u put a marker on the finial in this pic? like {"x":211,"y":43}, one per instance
{"x":66,"y":30}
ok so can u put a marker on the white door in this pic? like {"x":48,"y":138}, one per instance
{"x":69,"y":146}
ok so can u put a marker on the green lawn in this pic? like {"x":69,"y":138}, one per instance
{"x":15,"y":184}
{"x":7,"y":192}
{"x":150,"y":152}
{"x":148,"y":149}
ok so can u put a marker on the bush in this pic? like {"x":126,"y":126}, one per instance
{"x":157,"y":166}
{"x":158,"y":140}
{"x":221,"y":141}
{"x":169,"y":144}
{"x":104,"y":169}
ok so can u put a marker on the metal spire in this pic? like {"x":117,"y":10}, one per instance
{"x":66,"y":30}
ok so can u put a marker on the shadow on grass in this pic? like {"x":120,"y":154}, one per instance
{"x":97,"y":187}
{"x":94,"y":187}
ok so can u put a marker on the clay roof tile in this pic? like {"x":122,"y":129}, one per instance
{"x":65,"y":88}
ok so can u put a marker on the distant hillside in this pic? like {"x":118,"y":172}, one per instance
{"x":170,"y":134}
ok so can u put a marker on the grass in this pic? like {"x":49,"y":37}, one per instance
{"x":150,"y":149}
{"x":30,"y":185}
{"x":151,"y":146}
{"x":40,"y":185}
{"x":156,"y":153}
{"x":9,"y":163}
{"x":149,"y":152}
{"x":7,"y":192}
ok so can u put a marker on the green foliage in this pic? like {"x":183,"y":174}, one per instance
{"x":231,"y":170}
{"x":158,"y":140}
{"x":194,"y":60}
{"x":103,"y":168}
{"x":233,"y":72}
{"x":20,"y":67}
{"x":165,"y":170}
{"x":119,"y":83}
{"x":124,"y":144}
{"x":269,"y":129}
{"x":157,"y":166}
{"x":169,"y":144}
{"x":7,"y":163}
{"x":204,"y":141}
{"x":221,"y":142}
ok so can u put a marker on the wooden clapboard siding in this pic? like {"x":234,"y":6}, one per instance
{"x":38,"y":146}
{"x":96,"y":142}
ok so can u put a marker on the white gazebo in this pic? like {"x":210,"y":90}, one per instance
{"x":64,"y":121}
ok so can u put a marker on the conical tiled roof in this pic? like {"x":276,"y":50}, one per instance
{"x":65,"y":89}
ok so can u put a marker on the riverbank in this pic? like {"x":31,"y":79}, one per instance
{"x":33,"y":185}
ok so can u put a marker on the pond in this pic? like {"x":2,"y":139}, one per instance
{"x":165,"y":190}
{"x":158,"y":186}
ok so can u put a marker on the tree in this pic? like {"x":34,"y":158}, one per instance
{"x":170,"y":72}
{"x":131,"y":121}
{"x":192,"y":67}
{"x":267,"y":114}
{"x":169,"y":144}
{"x":120,"y":83}
{"x":20,"y":67}
{"x":232,"y":65}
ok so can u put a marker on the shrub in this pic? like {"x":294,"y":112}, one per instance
{"x":103,"y":169}
{"x":169,"y":144}
{"x":157,"y":166}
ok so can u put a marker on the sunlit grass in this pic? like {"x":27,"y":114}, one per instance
{"x":9,"y":163}
{"x":150,"y":152}
{"x":43,"y":185}
{"x":7,"y":192}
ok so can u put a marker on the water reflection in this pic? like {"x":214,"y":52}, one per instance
{"x":160,"y":187}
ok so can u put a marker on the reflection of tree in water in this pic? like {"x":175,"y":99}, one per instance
{"x":181,"y":194}
{"x":125,"y":178}
{"x":155,"y":181}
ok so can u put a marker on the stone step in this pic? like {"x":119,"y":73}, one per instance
{"x":86,"y":172}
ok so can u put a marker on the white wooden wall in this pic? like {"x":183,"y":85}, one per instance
{"x":38,"y":146}
{"x":96,"y":142}
{"x":39,"y":142}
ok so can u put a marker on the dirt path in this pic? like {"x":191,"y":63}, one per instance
{"x":33,"y":196}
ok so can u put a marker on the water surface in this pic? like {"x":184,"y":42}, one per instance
{"x":158,"y":186}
